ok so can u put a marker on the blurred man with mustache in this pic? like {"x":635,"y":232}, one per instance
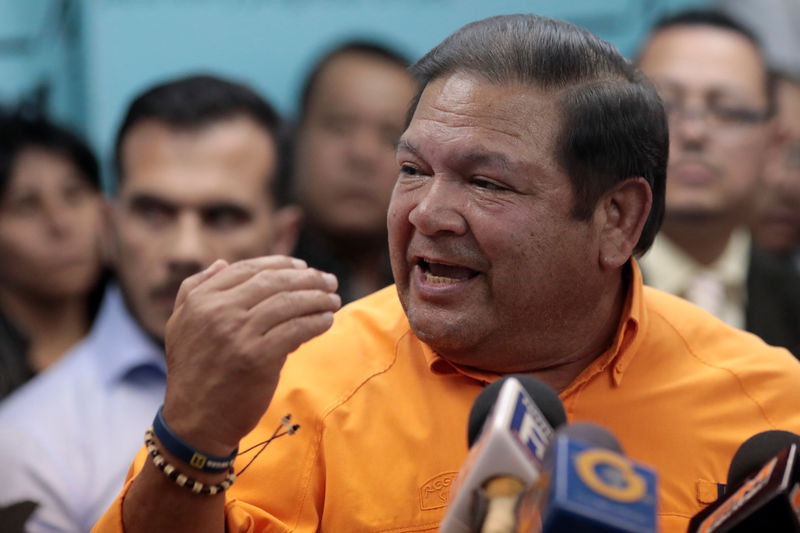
{"x":720,"y":100}
{"x":196,"y":160}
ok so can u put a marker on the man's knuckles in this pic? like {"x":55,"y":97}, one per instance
{"x":271,"y":281}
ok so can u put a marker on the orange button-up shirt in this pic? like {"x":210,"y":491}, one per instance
{"x":383,"y":418}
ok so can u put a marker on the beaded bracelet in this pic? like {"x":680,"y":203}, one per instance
{"x":186,"y":453}
{"x":181,"y":479}
{"x":286,"y":427}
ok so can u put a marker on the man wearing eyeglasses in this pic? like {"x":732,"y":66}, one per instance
{"x":720,"y":102}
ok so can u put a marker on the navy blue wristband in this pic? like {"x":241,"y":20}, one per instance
{"x":192,"y":456}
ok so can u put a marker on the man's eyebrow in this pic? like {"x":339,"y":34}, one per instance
{"x":404,"y":144}
{"x":140,"y":198}
{"x":480,"y":157}
{"x":473,"y":158}
{"x":225,"y":205}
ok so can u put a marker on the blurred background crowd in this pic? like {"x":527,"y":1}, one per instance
{"x":97,"y":98}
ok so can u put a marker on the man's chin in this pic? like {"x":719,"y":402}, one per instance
{"x":443,"y":337}
{"x":154,"y":326}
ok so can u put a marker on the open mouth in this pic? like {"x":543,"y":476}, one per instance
{"x":443,"y":273}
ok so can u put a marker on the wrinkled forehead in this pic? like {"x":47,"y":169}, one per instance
{"x":462,"y":116}
{"x":467,"y":100}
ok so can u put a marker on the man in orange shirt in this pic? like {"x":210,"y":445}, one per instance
{"x":531,"y":171}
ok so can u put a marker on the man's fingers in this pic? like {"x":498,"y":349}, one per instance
{"x":268,"y":283}
{"x":220,"y":275}
{"x":240,"y":271}
{"x":288,"y":305}
{"x":196,"y":279}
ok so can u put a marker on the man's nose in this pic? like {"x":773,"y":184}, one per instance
{"x":187,"y":247}
{"x":690,"y":126}
{"x":364,"y":148}
{"x":439,"y":207}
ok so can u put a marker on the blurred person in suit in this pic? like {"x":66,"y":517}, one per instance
{"x":352,"y":111}
{"x":51,"y":264}
{"x":777,"y":222}
{"x":720,"y":101}
{"x":775,"y":300}
{"x":195,"y":160}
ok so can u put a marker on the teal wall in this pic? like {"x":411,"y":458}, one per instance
{"x":94,"y":55}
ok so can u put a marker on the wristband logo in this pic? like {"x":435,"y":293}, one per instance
{"x":610,"y":475}
{"x":198,"y":461}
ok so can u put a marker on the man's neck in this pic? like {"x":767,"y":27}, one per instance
{"x":597,"y":339}
{"x":561,"y":356}
{"x":704,"y":241}
{"x":52,"y":325}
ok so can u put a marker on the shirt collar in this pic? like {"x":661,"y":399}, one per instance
{"x":626,"y":341}
{"x":670,"y":269}
{"x":119,"y":343}
{"x":441,"y":366}
{"x":628,"y":337}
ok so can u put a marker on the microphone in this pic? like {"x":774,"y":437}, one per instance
{"x":510,"y":425}
{"x":588,"y":485}
{"x":763,"y":491}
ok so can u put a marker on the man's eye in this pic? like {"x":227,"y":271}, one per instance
{"x":486,"y":184}
{"x":225,"y":217}
{"x":739,"y":115}
{"x":408,"y":170}
{"x":151,"y":212}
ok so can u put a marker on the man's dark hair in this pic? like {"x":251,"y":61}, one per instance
{"x":613,"y":124}
{"x":195,"y":102}
{"x":357,"y":47}
{"x":19,"y":133}
{"x":717,"y":19}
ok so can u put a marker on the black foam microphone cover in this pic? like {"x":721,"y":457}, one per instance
{"x":545,"y":398}
{"x":757,"y":450}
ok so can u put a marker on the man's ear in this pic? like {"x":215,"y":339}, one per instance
{"x":622,"y":213}
{"x":287,"y":221}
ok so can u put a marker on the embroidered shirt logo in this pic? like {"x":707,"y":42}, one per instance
{"x":436,"y":491}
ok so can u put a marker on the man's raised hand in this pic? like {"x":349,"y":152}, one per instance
{"x":228,"y":337}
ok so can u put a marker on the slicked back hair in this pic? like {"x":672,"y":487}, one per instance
{"x":196,"y":102}
{"x":613,"y":125}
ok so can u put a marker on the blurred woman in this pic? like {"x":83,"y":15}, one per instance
{"x":50,"y":260}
